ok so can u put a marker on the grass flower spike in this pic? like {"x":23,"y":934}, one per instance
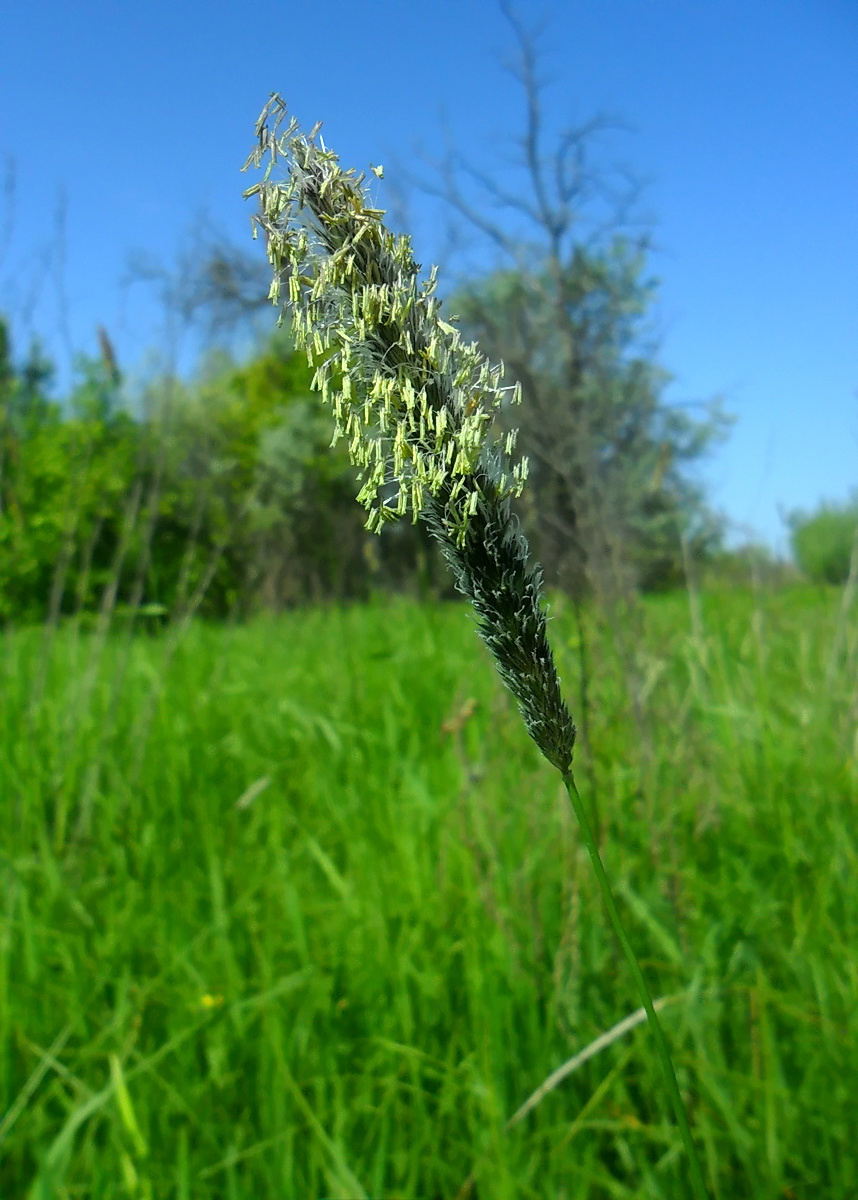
{"x":417,"y":404}
{"x":414,"y":400}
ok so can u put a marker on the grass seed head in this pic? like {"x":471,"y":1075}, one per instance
{"x":414,"y":400}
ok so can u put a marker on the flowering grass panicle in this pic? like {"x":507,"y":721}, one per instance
{"x":414,"y":400}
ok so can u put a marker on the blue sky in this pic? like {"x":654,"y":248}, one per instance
{"x":125,"y":122}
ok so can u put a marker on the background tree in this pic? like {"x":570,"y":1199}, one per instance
{"x":220,"y":495}
{"x":64,"y":470}
{"x":613,"y":505}
{"x":610,"y":502}
{"x":251,"y":471}
{"x":825,"y":542}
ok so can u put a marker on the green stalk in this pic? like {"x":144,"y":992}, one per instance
{"x":698,"y":1187}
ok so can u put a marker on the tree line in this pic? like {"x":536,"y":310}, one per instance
{"x":222,"y":494}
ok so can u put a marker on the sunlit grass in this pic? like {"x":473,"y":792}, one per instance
{"x":296,"y":909}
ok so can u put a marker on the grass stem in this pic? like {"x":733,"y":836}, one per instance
{"x":698,"y":1187}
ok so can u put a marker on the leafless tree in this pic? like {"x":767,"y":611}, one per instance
{"x":564,"y":311}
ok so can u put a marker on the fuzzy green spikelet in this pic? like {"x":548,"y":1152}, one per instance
{"x":414,"y":400}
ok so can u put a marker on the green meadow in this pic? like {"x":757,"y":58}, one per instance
{"x":295,"y":908}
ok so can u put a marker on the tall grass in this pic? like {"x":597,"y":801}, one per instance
{"x":326,"y":921}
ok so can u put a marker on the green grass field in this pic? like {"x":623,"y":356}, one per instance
{"x":296,"y":909}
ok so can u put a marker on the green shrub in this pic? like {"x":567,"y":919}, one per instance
{"x":824,"y":542}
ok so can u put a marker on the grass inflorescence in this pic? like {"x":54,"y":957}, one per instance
{"x":414,"y":400}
